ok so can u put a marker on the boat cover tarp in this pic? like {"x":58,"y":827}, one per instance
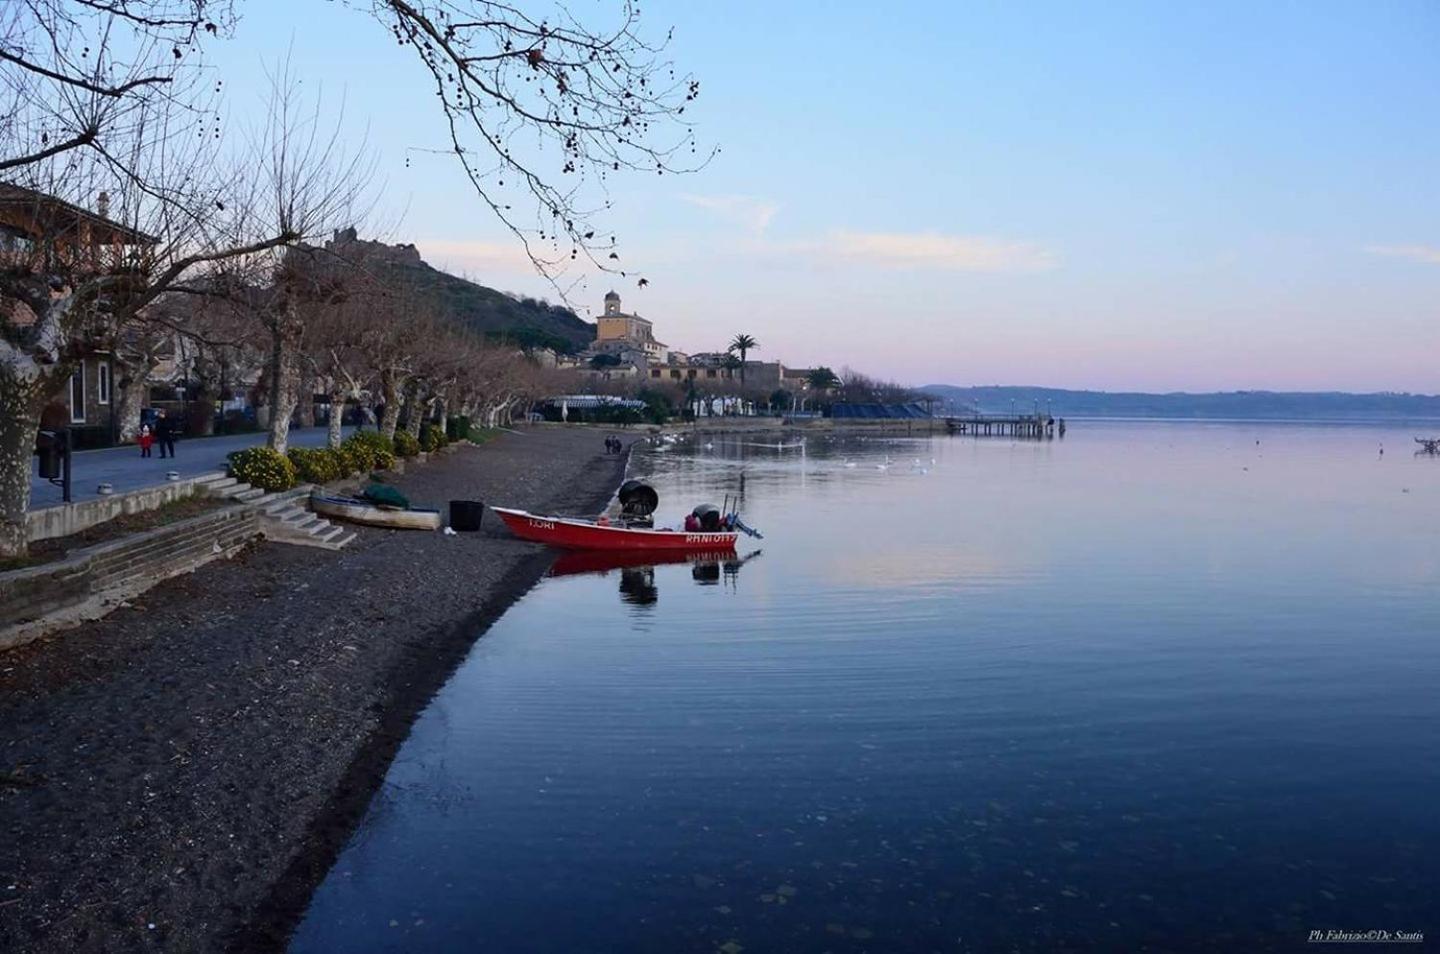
{"x":386,"y":496}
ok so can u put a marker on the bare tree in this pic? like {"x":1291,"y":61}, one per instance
{"x":307,"y":185}
{"x":103,"y":240}
{"x":547,"y":109}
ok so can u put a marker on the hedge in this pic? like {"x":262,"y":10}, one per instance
{"x":405,"y":445}
{"x":263,"y":467}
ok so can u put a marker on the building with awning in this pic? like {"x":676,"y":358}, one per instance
{"x":584,"y":408}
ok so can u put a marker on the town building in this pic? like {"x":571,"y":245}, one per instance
{"x":43,"y":233}
{"x":616,"y":329}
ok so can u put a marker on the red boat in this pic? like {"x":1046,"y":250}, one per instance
{"x":576,"y":534}
{"x":576,"y":562}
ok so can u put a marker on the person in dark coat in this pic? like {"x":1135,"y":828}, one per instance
{"x":165,"y":434}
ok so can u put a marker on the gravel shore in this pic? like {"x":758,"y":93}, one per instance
{"x":180,"y":775}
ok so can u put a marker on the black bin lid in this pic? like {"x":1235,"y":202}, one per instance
{"x":638,"y":497}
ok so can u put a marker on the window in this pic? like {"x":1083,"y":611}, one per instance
{"x":102,"y":391}
{"x":77,"y":396}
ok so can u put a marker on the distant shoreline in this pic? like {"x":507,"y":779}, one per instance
{"x":1317,"y":421}
{"x":1279,"y":406}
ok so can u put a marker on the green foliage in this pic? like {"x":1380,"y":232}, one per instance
{"x":658,"y":408}
{"x":604,"y":361}
{"x":432,"y":438}
{"x":481,"y":435}
{"x":320,"y":465}
{"x":529,"y":338}
{"x":405,"y":445}
{"x":823,"y":379}
{"x":457,"y":427}
{"x":263,"y":467}
{"x":743,"y":343}
{"x":368,"y":450}
{"x":528,"y":321}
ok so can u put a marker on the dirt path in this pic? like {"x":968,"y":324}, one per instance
{"x":182,"y":773}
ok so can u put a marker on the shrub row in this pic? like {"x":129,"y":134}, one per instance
{"x":262,"y":467}
{"x":405,"y":445}
{"x":361,"y":452}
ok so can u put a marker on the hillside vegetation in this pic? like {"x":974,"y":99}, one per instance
{"x":528,"y":322}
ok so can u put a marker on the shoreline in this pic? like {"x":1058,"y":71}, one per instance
{"x":191,"y":766}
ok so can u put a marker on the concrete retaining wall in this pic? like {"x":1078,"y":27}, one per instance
{"x":91,"y":582}
{"x":65,"y":519}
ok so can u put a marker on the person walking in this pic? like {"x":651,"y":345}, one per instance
{"x":146,"y":440}
{"x":165,"y":434}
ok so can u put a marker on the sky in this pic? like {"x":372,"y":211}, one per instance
{"x":1117,"y":196}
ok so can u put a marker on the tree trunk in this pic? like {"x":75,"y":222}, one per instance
{"x":390,"y":392}
{"x":21,"y":399}
{"x":415,"y":412}
{"x":205,"y":425}
{"x":284,"y":387}
{"x":130,"y":399}
{"x":305,"y":411}
{"x":337,"y":418}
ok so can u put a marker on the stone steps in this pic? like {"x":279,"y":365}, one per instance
{"x":286,"y":518}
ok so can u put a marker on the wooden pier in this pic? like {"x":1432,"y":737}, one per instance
{"x":1027,"y":426}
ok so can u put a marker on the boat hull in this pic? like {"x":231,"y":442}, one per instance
{"x":570,"y":534}
{"x":357,"y":511}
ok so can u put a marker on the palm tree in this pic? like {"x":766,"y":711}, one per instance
{"x":744,"y":344}
{"x":822,"y":379}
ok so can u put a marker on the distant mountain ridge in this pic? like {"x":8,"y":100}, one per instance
{"x":528,"y":322}
{"x":1220,"y":405}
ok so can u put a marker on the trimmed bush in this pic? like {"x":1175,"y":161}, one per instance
{"x":368,"y":450}
{"x":432,"y":438}
{"x":457,"y":427}
{"x":319,"y":465}
{"x":405,"y":445}
{"x":263,"y":467}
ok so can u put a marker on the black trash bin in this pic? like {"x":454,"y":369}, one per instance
{"x":465,"y":515}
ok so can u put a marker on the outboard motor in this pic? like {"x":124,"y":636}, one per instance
{"x":637,"y":499}
{"x":709,"y":517}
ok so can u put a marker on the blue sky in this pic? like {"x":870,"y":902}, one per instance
{"x":1120,"y":196}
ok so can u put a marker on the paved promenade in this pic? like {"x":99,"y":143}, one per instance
{"x":127,"y":470}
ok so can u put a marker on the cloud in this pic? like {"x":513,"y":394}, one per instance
{"x":1427,"y":254}
{"x":934,"y":250}
{"x":744,"y":210}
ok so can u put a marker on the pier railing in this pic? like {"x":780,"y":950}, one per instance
{"x":1032,"y":426}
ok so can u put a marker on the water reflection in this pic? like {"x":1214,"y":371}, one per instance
{"x":637,"y":569}
{"x":1159,"y":687}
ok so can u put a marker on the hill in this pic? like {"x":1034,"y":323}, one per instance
{"x":1227,"y":405}
{"x":528,"y":322}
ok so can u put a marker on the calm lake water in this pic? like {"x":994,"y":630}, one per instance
{"x":1151,"y":687}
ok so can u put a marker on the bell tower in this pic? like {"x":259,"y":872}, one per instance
{"x":612,"y":304}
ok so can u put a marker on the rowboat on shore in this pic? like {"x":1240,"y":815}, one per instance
{"x":575,"y":533}
{"x":363,"y":511}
